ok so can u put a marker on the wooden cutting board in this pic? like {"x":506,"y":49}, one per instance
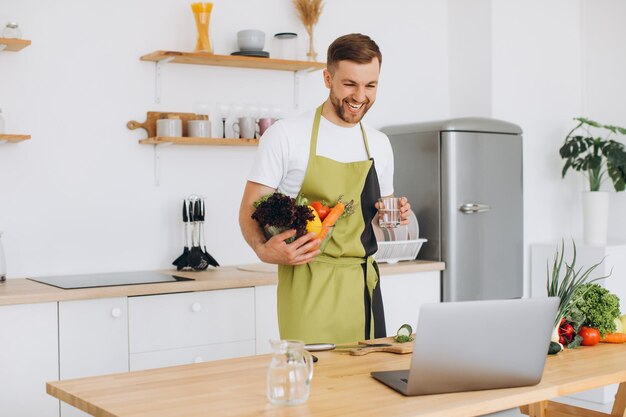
{"x":394,"y":348}
{"x":150,"y":124}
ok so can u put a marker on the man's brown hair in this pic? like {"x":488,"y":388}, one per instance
{"x":354,"y":47}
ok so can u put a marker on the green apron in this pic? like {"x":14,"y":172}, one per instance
{"x":336,"y":297}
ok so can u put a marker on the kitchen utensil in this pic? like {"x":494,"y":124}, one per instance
{"x":199,"y":128}
{"x":289,"y":374}
{"x":210,"y":259}
{"x":12,"y":30}
{"x":183,"y":260}
{"x":286,"y":44}
{"x":317,"y":347}
{"x":250,"y":40}
{"x":395,"y":347}
{"x":265,"y":123}
{"x":151,"y":118}
{"x":197,"y":259}
{"x":258,"y":54}
{"x":170,"y":127}
{"x":246,"y":127}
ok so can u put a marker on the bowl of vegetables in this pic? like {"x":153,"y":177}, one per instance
{"x":276,"y":213}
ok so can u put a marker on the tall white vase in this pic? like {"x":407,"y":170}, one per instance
{"x":595,"y":217}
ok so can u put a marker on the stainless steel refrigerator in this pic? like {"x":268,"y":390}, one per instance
{"x":463,"y":178}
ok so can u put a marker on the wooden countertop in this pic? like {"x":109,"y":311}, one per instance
{"x":24,"y":291}
{"x":341,"y":386}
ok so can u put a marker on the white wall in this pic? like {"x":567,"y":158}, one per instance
{"x":80,"y":196}
{"x":537,"y":84}
{"x":470,"y":58}
{"x":605,"y":84}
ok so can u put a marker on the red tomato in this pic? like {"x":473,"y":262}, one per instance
{"x":590,"y":336}
{"x":321,"y":209}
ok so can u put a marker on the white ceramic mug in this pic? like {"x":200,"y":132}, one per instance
{"x":246,"y":127}
{"x":199,"y":129}
{"x":264,"y":124}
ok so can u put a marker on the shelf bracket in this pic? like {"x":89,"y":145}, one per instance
{"x":157,"y":163}
{"x":296,"y":87}
{"x":157,"y":78}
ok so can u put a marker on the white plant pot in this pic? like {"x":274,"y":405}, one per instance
{"x":595,"y":217}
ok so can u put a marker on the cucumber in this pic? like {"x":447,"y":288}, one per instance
{"x":554,"y":348}
{"x":405,"y":330}
{"x":403,"y":334}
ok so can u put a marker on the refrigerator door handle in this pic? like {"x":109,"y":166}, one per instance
{"x":470,"y":208}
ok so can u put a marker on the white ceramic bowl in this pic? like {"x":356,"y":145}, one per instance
{"x":251,"y":40}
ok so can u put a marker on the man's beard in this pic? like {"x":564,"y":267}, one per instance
{"x":348,"y":117}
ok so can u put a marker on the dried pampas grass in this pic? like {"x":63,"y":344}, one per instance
{"x":309,"y":12}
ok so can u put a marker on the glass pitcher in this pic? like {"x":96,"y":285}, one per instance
{"x":289,"y":374}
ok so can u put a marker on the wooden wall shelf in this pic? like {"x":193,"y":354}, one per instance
{"x":202,"y":58}
{"x":14,"y":138}
{"x":14,"y":45}
{"x":199,"y":141}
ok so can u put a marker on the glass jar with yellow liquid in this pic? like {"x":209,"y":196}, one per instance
{"x":202,"y":14}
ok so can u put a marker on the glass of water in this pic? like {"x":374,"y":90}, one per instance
{"x":389,"y":212}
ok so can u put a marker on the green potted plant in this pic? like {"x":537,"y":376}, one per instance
{"x":598,"y":157}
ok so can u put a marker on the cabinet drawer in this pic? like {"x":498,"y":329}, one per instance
{"x":91,"y":329}
{"x":171,"y":321}
{"x":184,"y":356}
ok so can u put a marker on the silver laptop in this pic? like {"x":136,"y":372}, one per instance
{"x":476,"y":345}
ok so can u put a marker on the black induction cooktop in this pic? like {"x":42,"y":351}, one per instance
{"x":67,"y":282}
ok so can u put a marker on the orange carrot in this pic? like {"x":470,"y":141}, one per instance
{"x":331,"y":219}
{"x":614,"y":338}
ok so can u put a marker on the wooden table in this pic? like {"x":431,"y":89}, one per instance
{"x":341,"y":386}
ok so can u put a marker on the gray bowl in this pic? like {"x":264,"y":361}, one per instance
{"x":250,"y":40}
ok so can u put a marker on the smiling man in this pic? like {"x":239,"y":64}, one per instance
{"x":334,"y":296}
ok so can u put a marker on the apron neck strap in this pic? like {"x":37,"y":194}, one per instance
{"x":316,"y":129}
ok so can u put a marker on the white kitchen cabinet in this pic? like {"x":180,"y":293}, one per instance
{"x":28,"y":359}
{"x":266,"y":317}
{"x":404,"y":294}
{"x":93,"y":340}
{"x":175,"y":322}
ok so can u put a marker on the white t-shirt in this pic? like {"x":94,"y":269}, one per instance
{"x":283,"y":153}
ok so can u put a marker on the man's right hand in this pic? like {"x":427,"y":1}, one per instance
{"x":298,"y":252}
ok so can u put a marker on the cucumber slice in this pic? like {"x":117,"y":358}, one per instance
{"x":405,"y":330}
{"x":404,"y":334}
